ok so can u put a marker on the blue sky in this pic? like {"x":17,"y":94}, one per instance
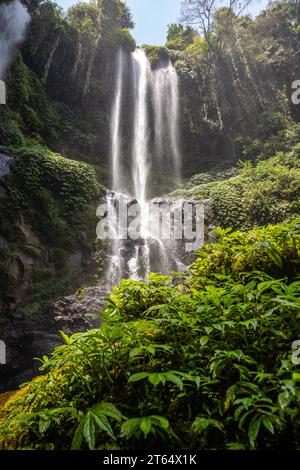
{"x":152,"y":17}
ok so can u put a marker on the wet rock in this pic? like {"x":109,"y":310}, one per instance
{"x":81,"y":310}
{"x":30,"y":336}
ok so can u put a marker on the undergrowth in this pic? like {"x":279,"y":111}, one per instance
{"x":202,"y":360}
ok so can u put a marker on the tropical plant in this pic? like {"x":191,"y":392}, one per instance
{"x":203,"y":360}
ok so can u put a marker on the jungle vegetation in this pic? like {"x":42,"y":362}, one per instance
{"x":202,"y":359}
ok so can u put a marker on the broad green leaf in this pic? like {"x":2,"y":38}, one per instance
{"x":268,"y":424}
{"x":130,"y":427}
{"x":65,"y":337}
{"x":156,"y":379}
{"x":175,"y":379}
{"x":103,"y":424}
{"x":78,"y":436}
{"x":107,"y":409}
{"x":89,"y":430}
{"x":253,"y":429}
{"x":138,"y":376}
{"x":146,"y":426}
{"x":204,"y":340}
{"x":160,"y":421}
{"x":44,"y":425}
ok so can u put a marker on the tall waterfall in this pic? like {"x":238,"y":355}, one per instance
{"x":116,"y":137}
{"x":155,"y":91}
{"x":166,"y":109}
{"x":141,"y":76}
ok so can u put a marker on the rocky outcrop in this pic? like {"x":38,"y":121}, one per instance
{"x":29,"y":325}
{"x":19,"y":269}
{"x":80,"y":311}
{"x":31,"y":336}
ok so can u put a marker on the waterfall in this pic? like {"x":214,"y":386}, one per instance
{"x":150,"y":89}
{"x":116,"y":123}
{"x":174,"y":121}
{"x":140,"y":171}
{"x":167,"y":110}
{"x":141,"y":76}
{"x":14,"y":19}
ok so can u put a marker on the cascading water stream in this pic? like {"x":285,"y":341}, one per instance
{"x":116,"y":123}
{"x":141,"y":75}
{"x":167,"y":115}
{"x":115,"y":262}
{"x":157,"y":90}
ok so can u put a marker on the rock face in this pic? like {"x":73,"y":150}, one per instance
{"x":80,"y":312}
{"x":27,"y":337}
{"x":19,"y":270}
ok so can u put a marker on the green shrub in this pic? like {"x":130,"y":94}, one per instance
{"x":268,"y":192}
{"x":57,"y":195}
{"x":264,"y":192}
{"x":202,"y":361}
{"x":155,"y":53}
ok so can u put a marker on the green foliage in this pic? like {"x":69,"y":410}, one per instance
{"x":235,"y":83}
{"x":202,"y":361}
{"x":44,"y":186}
{"x":179,"y":37}
{"x":123,"y":38}
{"x":268,"y":192}
{"x":155,"y":53}
{"x":10,"y":132}
{"x":275,"y":136}
{"x":254,"y":193}
{"x":197,"y":47}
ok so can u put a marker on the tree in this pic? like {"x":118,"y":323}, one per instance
{"x":200,"y":13}
{"x":179,"y":36}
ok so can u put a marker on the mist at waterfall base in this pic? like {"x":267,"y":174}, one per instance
{"x":146,"y":107}
{"x":14,"y":19}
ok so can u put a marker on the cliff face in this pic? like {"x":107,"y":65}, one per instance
{"x":236,"y":91}
{"x":60,"y":82}
{"x":53,"y":140}
{"x":59,"y":87}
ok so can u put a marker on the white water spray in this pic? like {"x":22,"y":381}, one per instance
{"x":116,"y":116}
{"x":167,"y":116}
{"x":136,"y":259}
{"x":141,"y":75}
{"x":14,"y":19}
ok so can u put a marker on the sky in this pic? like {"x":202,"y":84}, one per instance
{"x":152,"y":17}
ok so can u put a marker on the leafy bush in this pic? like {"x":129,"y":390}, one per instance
{"x":57,"y":195}
{"x":180,"y":37}
{"x":122,"y":38}
{"x":155,"y":53}
{"x":268,"y":192}
{"x":261,"y":193}
{"x":203,"y":360}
